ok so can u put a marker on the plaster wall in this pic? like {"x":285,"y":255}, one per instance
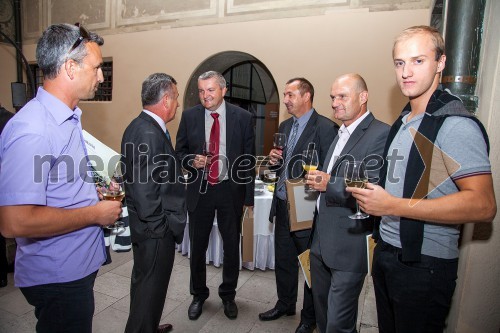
{"x":476,"y":305}
{"x":316,"y":47}
{"x":7,"y":74}
{"x":319,"y":47}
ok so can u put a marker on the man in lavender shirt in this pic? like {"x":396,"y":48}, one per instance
{"x":48,"y":200}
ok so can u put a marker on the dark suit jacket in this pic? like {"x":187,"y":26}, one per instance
{"x":154,"y":191}
{"x":342,"y":240}
{"x":319,"y":130}
{"x":240,"y":151}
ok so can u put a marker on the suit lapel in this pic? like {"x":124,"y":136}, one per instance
{"x":200,"y":135}
{"x":230,"y":125}
{"x":329,"y":154}
{"x":303,"y":141}
{"x":162,"y":134}
{"x":354,"y":138}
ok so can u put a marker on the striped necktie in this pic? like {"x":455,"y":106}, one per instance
{"x":289,"y":152}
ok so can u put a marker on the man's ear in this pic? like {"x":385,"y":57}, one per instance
{"x":69,"y":67}
{"x":308,"y":94}
{"x":441,"y":63}
{"x":363,"y":97}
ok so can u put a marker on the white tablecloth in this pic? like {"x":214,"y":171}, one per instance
{"x":263,"y":238}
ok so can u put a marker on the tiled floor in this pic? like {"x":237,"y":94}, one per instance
{"x":256,"y":293}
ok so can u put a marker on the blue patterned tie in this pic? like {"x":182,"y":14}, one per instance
{"x":168,"y":135}
{"x":289,"y":151}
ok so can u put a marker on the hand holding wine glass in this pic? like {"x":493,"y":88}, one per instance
{"x":279,"y":143}
{"x":114,"y":191}
{"x":208,"y":151}
{"x":310,"y":162}
{"x":356,"y":176}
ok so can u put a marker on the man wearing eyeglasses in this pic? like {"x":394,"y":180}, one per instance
{"x":48,"y":200}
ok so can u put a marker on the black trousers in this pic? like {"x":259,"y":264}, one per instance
{"x":217,"y":198}
{"x":63,"y":307}
{"x":287,"y":246}
{"x":153,"y":262}
{"x":412,"y":297}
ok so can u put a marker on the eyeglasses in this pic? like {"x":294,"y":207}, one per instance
{"x":84,"y":34}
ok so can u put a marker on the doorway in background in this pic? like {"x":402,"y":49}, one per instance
{"x":250,"y":85}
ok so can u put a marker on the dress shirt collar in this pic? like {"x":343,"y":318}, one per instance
{"x":221,"y":110}
{"x":157,"y":119}
{"x":304,"y":119}
{"x":60,"y":111}
{"x":351,"y":128}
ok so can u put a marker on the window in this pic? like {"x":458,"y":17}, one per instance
{"x":251,"y":86}
{"x":103,"y":93}
{"x":105,"y":90}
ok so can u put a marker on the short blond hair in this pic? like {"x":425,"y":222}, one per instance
{"x":434,"y":34}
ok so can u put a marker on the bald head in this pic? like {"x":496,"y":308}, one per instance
{"x":355,"y":80}
{"x":349,"y":96}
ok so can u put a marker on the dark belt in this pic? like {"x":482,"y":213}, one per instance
{"x":388,"y":247}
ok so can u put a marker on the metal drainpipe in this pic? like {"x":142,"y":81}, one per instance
{"x":464,"y":29}
{"x":19,"y":39}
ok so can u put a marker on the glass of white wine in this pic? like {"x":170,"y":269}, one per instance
{"x":310,"y":162}
{"x":356,"y":176}
{"x":114,"y":191}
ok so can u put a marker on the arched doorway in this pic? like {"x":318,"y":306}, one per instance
{"x":250,"y":86}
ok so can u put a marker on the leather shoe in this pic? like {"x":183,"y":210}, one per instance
{"x":164,"y":328}
{"x":305,"y":328}
{"x":230,"y":309}
{"x":3,"y":283}
{"x":274,"y":314}
{"x":195,"y":308}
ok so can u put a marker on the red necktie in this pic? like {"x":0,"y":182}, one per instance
{"x":213,"y":173}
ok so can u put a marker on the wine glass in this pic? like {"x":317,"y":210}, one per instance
{"x":114,"y":191}
{"x":356,"y":176}
{"x":279,"y":141}
{"x":270,"y":177}
{"x":208,"y":150}
{"x":310,"y":161}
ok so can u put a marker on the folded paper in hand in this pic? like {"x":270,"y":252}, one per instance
{"x":301,"y":205}
{"x":305,"y":265}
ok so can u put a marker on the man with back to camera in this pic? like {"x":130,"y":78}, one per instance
{"x":227,"y":187}
{"x":156,"y":202}
{"x":438,"y":176}
{"x":306,"y":127}
{"x":338,"y":250}
{"x":48,"y":198}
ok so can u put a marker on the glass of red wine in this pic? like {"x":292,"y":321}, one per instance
{"x":208,"y":151}
{"x":279,"y":141}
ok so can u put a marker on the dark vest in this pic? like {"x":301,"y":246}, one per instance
{"x":441,"y":105}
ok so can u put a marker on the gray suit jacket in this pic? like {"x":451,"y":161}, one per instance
{"x":341,"y":239}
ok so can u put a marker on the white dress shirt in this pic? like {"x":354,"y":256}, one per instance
{"x":209,"y":121}
{"x":158,"y":120}
{"x":344,"y":134}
